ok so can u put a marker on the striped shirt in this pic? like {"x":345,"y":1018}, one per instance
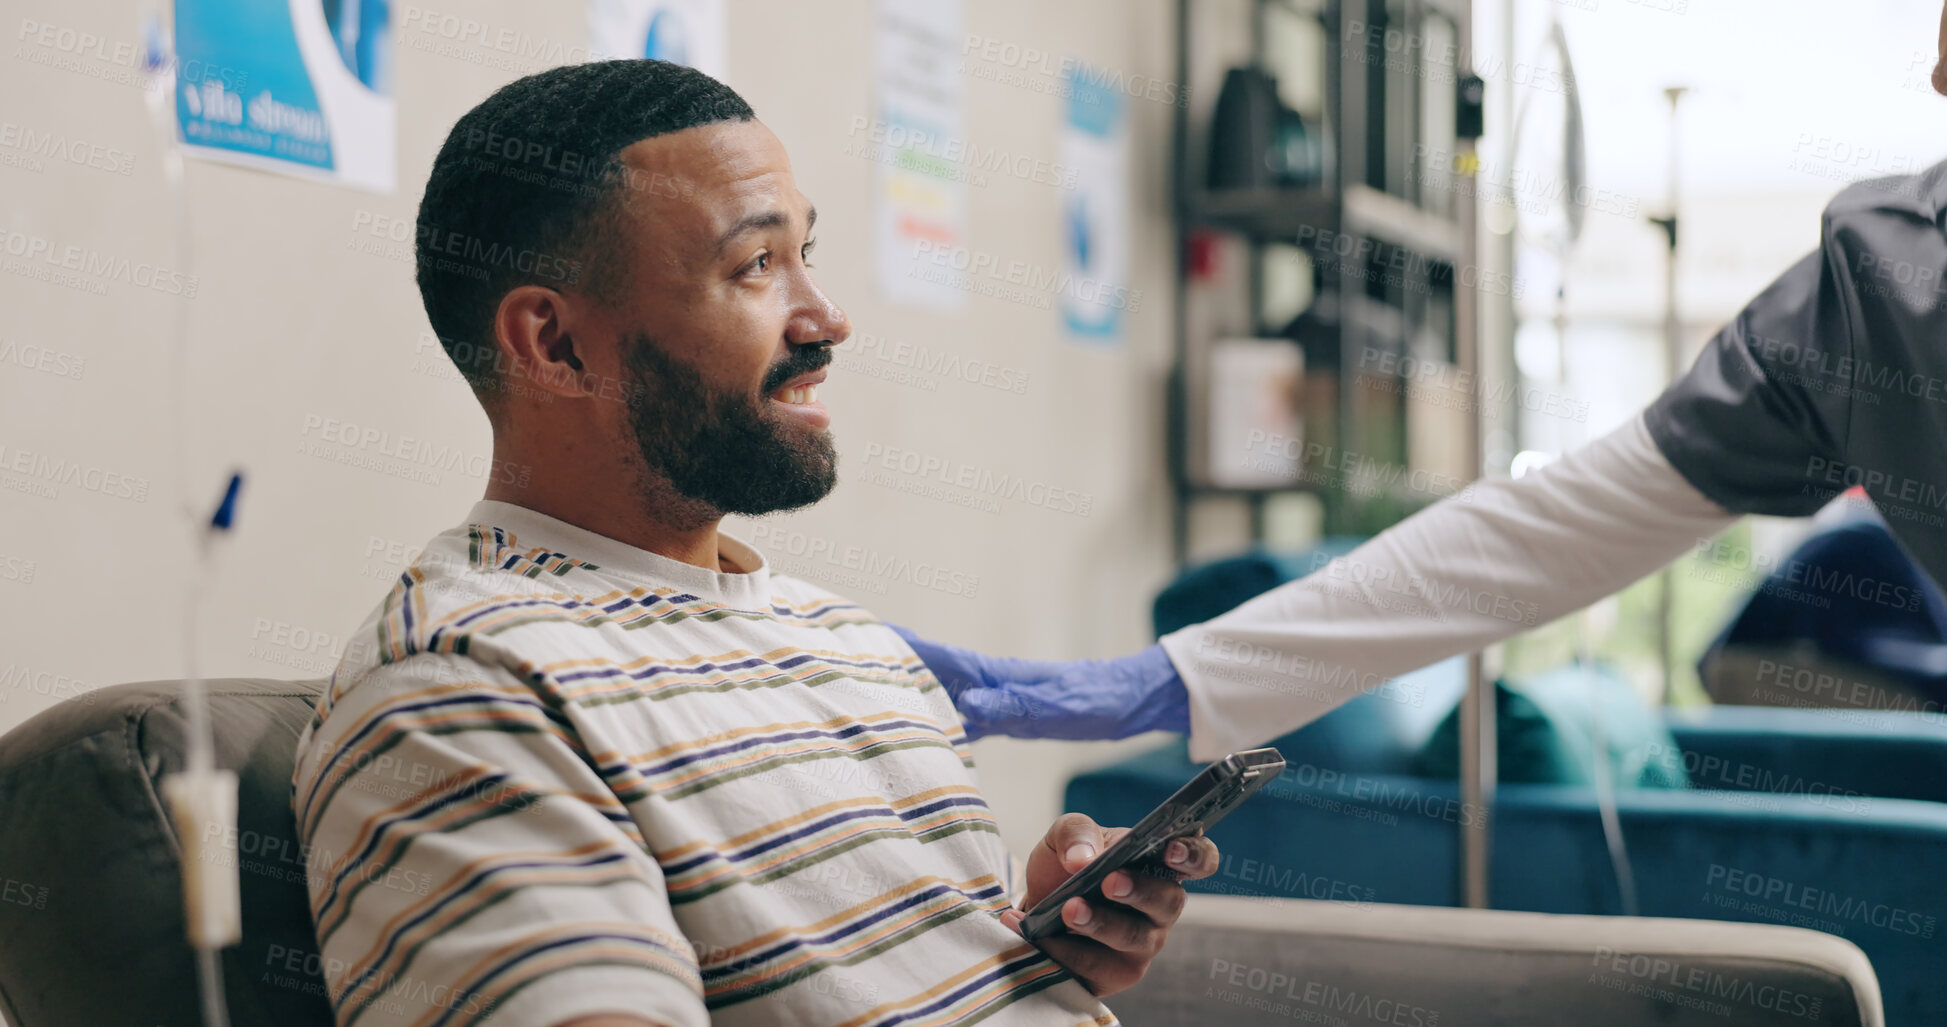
{"x":560,"y":775}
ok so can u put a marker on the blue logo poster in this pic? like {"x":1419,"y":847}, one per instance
{"x":1094,"y":284}
{"x":302,"y":87}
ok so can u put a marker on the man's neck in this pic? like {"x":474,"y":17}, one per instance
{"x":626,"y":518}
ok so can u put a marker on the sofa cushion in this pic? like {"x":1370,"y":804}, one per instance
{"x":1545,"y":728}
{"x":88,"y":842}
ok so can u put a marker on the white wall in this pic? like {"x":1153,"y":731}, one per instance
{"x":290,"y":322}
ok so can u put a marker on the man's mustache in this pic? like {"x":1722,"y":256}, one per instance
{"x":802,"y":361}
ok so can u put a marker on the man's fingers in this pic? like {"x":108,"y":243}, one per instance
{"x":1121,"y":928}
{"x":1075,"y":840}
{"x":1158,"y":899}
{"x":1101,"y":969}
{"x":1194,"y":858}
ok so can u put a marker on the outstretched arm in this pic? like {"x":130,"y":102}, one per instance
{"x":1501,"y":558}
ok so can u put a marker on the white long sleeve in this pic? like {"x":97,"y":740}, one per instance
{"x":1503,"y":557}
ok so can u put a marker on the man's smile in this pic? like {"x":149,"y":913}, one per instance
{"x":798,"y":399}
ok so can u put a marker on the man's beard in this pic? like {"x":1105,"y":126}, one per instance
{"x":719,"y":448}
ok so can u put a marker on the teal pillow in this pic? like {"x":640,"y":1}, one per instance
{"x":1545,"y":733}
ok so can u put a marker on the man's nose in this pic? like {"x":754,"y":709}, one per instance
{"x":819,"y":320}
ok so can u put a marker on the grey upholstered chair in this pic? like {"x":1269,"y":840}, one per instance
{"x":91,"y":931}
{"x":83,"y":833}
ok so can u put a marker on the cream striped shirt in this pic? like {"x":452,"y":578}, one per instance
{"x":561,"y":775}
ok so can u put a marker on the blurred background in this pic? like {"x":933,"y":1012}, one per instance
{"x":1166,"y":282}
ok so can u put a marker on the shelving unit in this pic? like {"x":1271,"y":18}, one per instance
{"x":1390,"y":71}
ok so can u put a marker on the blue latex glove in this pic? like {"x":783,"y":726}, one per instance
{"x":1083,"y":700}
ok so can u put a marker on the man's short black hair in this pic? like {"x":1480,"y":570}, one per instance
{"x":519,"y":191}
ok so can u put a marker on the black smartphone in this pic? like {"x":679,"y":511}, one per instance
{"x":1220,"y":788}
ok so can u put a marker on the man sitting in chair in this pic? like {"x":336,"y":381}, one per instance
{"x":596,"y":764}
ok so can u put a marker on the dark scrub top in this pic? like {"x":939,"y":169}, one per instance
{"x":1834,"y":376}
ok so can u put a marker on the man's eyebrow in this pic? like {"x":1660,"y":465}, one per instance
{"x":758,"y":222}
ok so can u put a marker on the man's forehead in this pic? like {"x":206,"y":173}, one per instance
{"x":711,"y":176}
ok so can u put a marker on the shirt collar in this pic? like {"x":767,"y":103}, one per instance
{"x":748,"y":587}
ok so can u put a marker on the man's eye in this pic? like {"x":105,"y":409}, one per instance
{"x":805,"y":254}
{"x":762,"y":262}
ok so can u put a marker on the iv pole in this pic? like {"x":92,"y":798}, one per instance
{"x":1672,"y":364}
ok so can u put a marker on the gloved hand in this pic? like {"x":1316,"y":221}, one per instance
{"x":1083,"y":700}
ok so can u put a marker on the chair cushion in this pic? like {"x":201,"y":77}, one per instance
{"x":1384,"y":730}
{"x":1219,"y":586}
{"x":1545,"y":729}
{"x":89,"y":842}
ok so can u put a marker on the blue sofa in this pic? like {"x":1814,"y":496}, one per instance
{"x":1855,"y":846}
{"x":1834,"y":820}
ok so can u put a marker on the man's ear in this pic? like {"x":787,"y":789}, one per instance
{"x":532,"y":329}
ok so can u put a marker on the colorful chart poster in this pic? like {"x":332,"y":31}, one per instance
{"x":301,"y":88}
{"x":1095,"y":214}
{"x":921,"y":198}
{"x":692,"y":33}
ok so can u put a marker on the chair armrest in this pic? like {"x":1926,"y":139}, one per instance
{"x":1780,"y":749}
{"x":1254,"y":961}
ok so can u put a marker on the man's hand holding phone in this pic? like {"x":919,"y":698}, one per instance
{"x":1110,"y":940}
